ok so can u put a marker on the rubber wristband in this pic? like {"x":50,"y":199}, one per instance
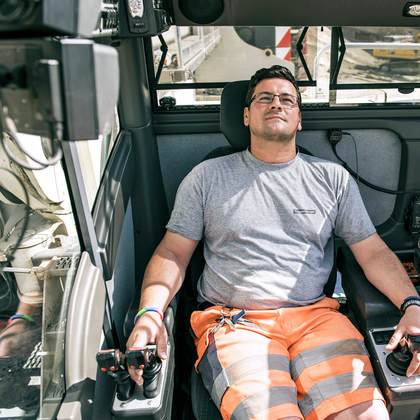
{"x":410,"y":303}
{"x":149,"y":309}
{"x":406,"y":300}
{"x":410,"y":298}
{"x":406,"y":304}
{"x":25,"y":317}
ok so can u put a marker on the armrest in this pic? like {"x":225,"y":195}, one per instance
{"x":371,"y":308}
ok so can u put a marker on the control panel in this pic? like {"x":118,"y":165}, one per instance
{"x":152,"y":403}
{"x":380,"y":338}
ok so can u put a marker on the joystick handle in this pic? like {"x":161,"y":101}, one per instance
{"x":113,"y":362}
{"x":138,"y":358}
{"x":399,"y":360}
{"x":151,"y":365}
{"x":109,"y":360}
{"x":413,"y":342}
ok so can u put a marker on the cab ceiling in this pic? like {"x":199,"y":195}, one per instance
{"x":293,"y":13}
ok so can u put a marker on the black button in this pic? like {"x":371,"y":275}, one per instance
{"x":387,"y":335}
{"x":377,"y":336}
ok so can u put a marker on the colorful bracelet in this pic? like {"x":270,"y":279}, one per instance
{"x":149,"y":309}
{"x":25,"y":317}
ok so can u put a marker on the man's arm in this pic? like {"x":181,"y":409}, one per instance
{"x":163,"y":278}
{"x":385,"y":271}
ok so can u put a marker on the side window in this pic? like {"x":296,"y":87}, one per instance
{"x":39,"y":256}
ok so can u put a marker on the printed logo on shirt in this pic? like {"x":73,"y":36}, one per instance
{"x":302,"y":211}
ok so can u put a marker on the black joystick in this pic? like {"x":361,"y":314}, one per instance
{"x":151,"y":365}
{"x":400,"y":358}
{"x":113,"y":362}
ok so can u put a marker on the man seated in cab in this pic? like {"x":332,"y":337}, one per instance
{"x":267,"y":215}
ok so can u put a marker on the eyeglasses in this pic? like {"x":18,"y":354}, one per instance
{"x":286,"y":100}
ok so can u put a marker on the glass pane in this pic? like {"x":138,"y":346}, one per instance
{"x":224,"y":54}
{"x":35,"y":284}
{"x":372,"y":96}
{"x":93,"y":155}
{"x":380,"y":55}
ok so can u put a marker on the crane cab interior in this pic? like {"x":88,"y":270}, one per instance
{"x":141,"y":91}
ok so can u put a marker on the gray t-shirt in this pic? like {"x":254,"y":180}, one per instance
{"x":268,"y":228}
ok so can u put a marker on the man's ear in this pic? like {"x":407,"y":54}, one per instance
{"x":300,"y":122}
{"x":246,"y":116}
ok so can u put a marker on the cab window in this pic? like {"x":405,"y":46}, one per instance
{"x":39,"y":253}
{"x":334,"y":66}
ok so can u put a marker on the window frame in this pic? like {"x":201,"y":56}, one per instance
{"x":338,"y":50}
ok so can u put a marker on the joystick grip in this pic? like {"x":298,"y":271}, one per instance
{"x":113,"y":362}
{"x":399,"y":360}
{"x":108,"y":360}
{"x":139,"y":358}
{"x":151,"y":365}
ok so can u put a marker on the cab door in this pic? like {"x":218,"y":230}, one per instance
{"x":100,"y":175}
{"x":118,"y":197}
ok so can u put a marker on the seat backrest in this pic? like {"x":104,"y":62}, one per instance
{"x":232,"y":104}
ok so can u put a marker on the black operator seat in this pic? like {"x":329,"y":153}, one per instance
{"x":237,"y":134}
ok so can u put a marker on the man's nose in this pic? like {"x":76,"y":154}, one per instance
{"x":276,"y":103}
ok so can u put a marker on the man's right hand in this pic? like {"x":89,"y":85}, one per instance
{"x":163,"y":278}
{"x":148,"y":329}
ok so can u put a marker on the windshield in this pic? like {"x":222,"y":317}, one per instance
{"x":379,"y":65}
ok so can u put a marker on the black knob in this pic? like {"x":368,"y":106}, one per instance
{"x":151,"y":365}
{"x":113,"y":362}
{"x":108,"y":360}
{"x":399,"y":360}
{"x":138,"y":358}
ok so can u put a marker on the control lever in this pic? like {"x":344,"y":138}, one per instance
{"x":151,"y":365}
{"x":113,"y":362}
{"x":400,"y":358}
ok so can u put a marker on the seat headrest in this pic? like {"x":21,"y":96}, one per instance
{"x":232,"y":106}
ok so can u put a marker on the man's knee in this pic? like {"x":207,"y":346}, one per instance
{"x":370,"y":410}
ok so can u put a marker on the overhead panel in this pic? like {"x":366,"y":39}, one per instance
{"x":297,"y":13}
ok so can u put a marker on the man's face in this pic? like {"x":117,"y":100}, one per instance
{"x":273,"y":122}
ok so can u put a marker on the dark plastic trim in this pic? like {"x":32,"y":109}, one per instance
{"x":112,"y":200}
